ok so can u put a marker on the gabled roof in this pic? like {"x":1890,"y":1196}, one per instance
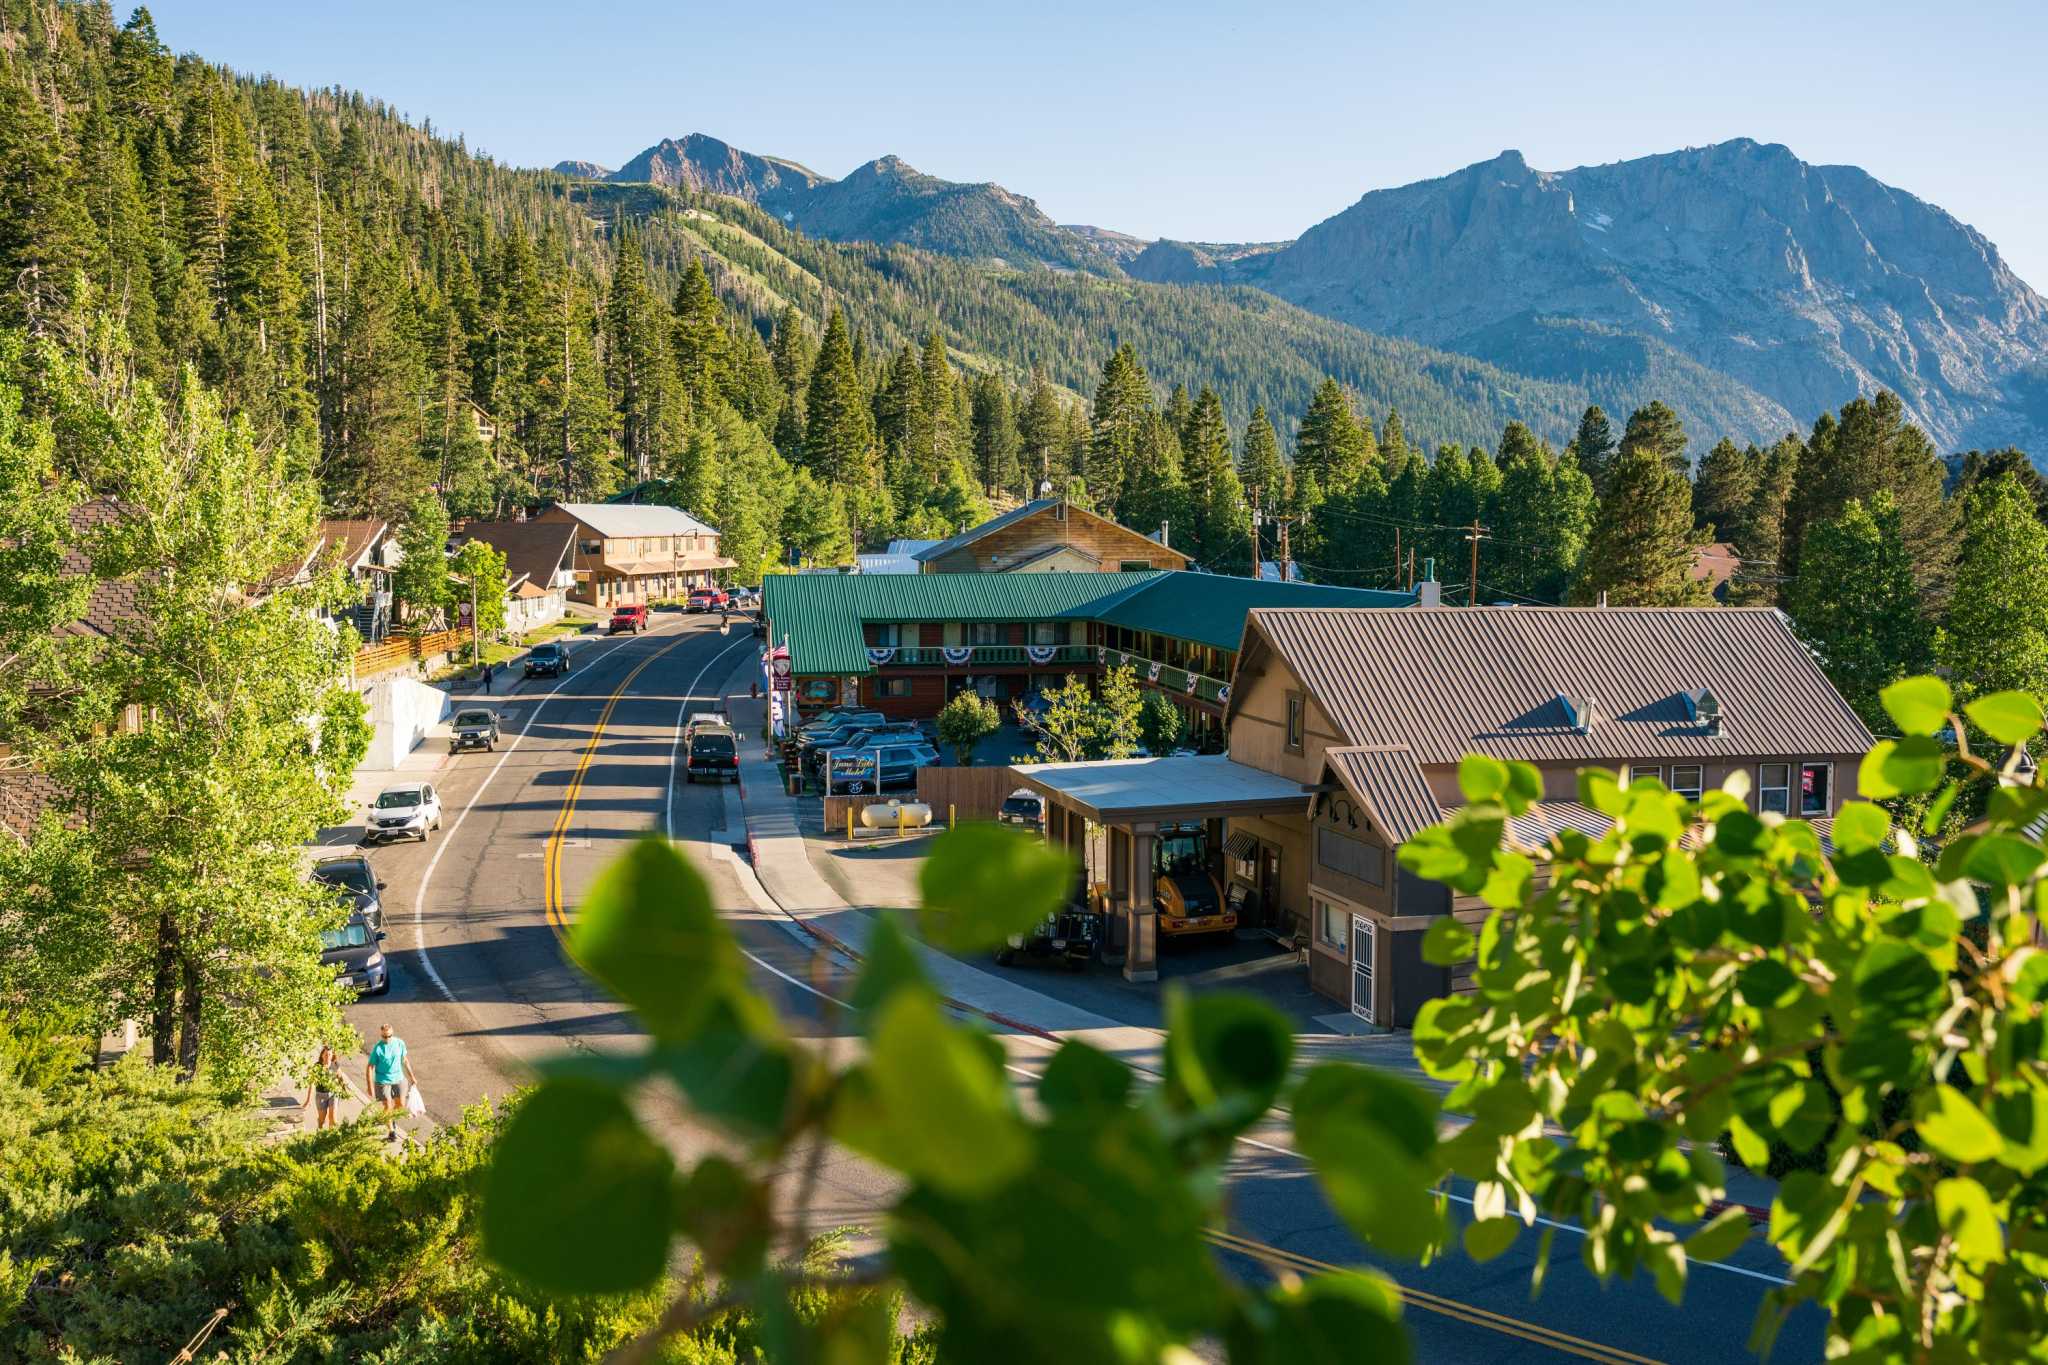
{"x":1017,"y":514}
{"x":533,"y":549}
{"x":1447,"y":681}
{"x":636,"y":519}
{"x":1387,"y":781}
{"x":349,"y":540}
{"x":113,"y":602}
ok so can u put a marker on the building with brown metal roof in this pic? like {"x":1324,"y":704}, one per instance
{"x":1370,"y":711}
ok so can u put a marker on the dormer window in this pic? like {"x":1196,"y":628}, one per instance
{"x":1703,"y":708}
{"x":1578,"y":712}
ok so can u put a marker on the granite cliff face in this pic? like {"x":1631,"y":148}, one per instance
{"x":1804,"y":285}
{"x":709,"y":166}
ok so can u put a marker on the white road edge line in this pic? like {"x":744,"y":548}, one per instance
{"x":419,"y":900}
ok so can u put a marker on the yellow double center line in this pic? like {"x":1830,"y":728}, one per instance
{"x":557,"y":906}
{"x":1463,"y":1312}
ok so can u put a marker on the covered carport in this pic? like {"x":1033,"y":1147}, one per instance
{"x":1129,"y":799}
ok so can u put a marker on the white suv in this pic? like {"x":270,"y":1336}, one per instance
{"x":410,"y":810}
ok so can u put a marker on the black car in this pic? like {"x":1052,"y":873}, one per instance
{"x":894,"y":732}
{"x":549,"y":660}
{"x":357,"y":883}
{"x":474,"y":728}
{"x":888,"y":766}
{"x":714,"y":753}
{"x":356,"y":952}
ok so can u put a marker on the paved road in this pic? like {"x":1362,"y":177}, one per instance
{"x":482,"y":990}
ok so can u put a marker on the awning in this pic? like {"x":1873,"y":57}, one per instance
{"x":1241,"y":846}
{"x":704,"y":559}
{"x":1120,"y":791}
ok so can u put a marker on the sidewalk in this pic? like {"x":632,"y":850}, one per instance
{"x":283,"y":1104}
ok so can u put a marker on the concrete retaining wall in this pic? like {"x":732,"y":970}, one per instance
{"x":402,"y":711}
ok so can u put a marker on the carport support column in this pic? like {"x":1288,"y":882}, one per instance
{"x":1141,"y":953}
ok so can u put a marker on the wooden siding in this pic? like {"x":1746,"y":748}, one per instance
{"x":1006,"y":547}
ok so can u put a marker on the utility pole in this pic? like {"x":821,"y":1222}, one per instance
{"x":1397,"y":557}
{"x":1475,"y":534}
{"x":1286,"y":558}
{"x":1254,"y":491}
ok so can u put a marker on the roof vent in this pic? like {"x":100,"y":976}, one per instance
{"x":1704,"y":709}
{"x":1578,"y":712}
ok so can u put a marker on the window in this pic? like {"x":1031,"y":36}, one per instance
{"x":1636,"y":772}
{"x":1813,"y":788}
{"x":1687,"y":780}
{"x":593,"y":547}
{"x":1134,"y":565}
{"x":892,"y":687}
{"x":1296,"y":709}
{"x":1773,"y":787}
{"x":888,"y":634}
{"x":1352,"y":857}
{"x":1333,"y":927}
{"x":985,"y":633}
{"x":1048,"y":632}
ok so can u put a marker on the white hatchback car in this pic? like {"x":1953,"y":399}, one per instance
{"x":408,"y":811}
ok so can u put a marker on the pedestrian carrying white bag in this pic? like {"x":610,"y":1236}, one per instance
{"x":414,"y":1104}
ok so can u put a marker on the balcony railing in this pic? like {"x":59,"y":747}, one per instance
{"x":978,"y":656}
{"x":1184,"y":681}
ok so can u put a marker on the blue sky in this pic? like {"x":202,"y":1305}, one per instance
{"x":1211,"y":122}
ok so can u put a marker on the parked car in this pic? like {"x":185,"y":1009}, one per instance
{"x":714,"y":753}
{"x":549,"y":660}
{"x":840,"y":717}
{"x":474,"y":728}
{"x":410,"y":810}
{"x":876,"y":768}
{"x":357,"y":883}
{"x":705,"y":720}
{"x":356,"y":952}
{"x":890,"y":732}
{"x":1022,"y":807}
{"x":709,"y":599}
{"x":632,"y":619}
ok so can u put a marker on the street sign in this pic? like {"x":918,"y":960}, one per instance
{"x":783,"y":682}
{"x":780,"y":668}
{"x":462,"y":611}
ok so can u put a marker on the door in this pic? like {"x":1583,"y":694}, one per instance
{"x":1362,"y":935}
{"x":1269,"y":883}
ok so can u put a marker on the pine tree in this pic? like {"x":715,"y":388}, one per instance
{"x":1724,"y":492}
{"x":1868,"y":449}
{"x":702,"y":349}
{"x":1040,"y":426}
{"x":1856,"y":606}
{"x":839,"y":436}
{"x":792,"y":351}
{"x":1593,"y":447}
{"x":1656,"y":428}
{"x":1222,"y":527}
{"x":1122,"y":399}
{"x":1639,"y":552}
{"x":940,"y":433}
{"x":637,"y":362}
{"x":1156,"y":493}
{"x":43,"y":226}
{"x":1996,"y":636}
{"x":1331,"y":444}
{"x":1260,"y":466}
{"x":995,"y":435}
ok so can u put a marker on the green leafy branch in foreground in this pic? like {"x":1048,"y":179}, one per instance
{"x":1701,"y":970}
{"x":1073,"y":1232}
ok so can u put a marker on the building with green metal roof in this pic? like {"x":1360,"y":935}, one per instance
{"x":904,"y":643}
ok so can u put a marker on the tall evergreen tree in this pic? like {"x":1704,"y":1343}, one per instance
{"x":43,"y":226}
{"x":1222,"y":526}
{"x":1856,"y":606}
{"x":1156,"y":493}
{"x":703,"y":351}
{"x":1259,"y":464}
{"x":1870,"y":448}
{"x":1330,"y":444}
{"x":1655,"y":427}
{"x":1041,"y":426}
{"x":839,"y":434}
{"x":1639,"y":552}
{"x":1122,"y":400}
{"x":1593,"y":446}
{"x":1724,"y":491}
{"x":995,"y":435}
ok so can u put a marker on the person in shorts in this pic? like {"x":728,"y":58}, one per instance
{"x":388,"y":1072}
{"x":325,"y":1091}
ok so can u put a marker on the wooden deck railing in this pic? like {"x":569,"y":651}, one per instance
{"x":402,"y":651}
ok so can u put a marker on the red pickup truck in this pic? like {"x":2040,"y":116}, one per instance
{"x":632,"y":619}
{"x":709,"y":599}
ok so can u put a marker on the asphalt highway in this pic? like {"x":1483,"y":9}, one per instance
{"x":483,"y":989}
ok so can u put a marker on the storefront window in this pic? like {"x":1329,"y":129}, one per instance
{"x":1333,"y":928}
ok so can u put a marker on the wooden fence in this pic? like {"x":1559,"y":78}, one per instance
{"x":402,"y":651}
{"x":973,"y":793}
